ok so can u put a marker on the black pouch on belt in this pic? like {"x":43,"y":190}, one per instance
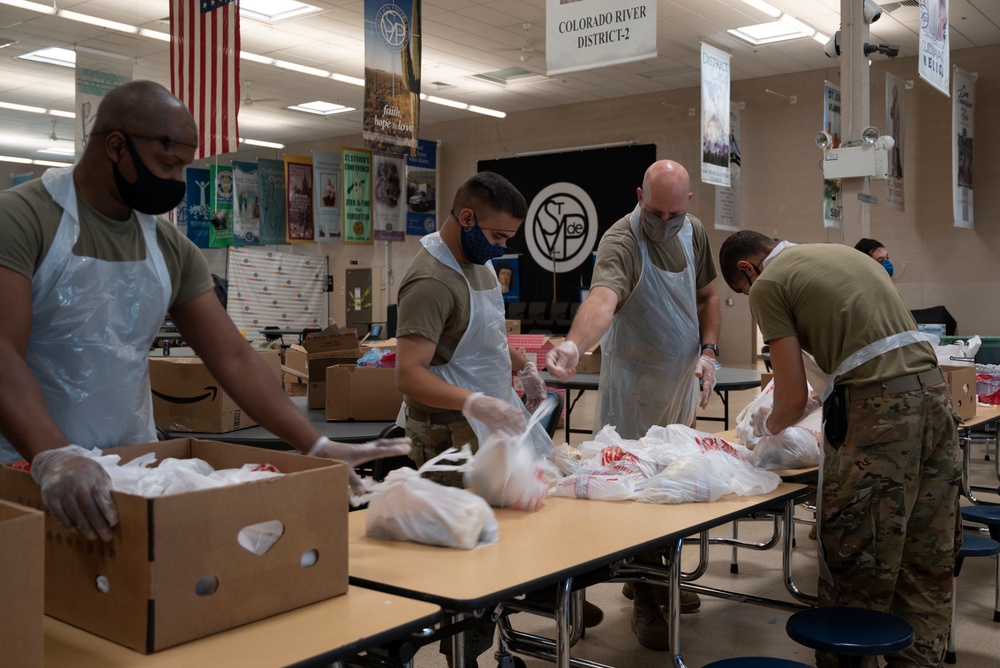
{"x":835,"y":418}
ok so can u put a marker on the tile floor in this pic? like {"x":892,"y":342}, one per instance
{"x":722,"y":628}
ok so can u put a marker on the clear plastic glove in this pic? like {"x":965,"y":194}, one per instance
{"x":498,"y":415}
{"x":705,"y":369}
{"x":76,"y":490}
{"x":758,"y":422}
{"x":813,"y":403}
{"x":561,"y":361}
{"x":534,"y":386}
{"x":356,"y":454}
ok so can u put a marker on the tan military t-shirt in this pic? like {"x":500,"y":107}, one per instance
{"x":836,"y":301}
{"x":29,"y":219}
{"x":434,"y":303}
{"x":619,"y":258}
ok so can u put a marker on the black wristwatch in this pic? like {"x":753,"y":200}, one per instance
{"x":711,"y":346}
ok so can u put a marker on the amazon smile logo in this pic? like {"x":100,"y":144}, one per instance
{"x":210,"y":391}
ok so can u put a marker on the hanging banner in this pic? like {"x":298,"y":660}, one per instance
{"x":199,"y":205}
{"x":356,"y":169}
{"x":508,"y":277}
{"x":895,"y":105}
{"x":421,"y":189}
{"x":833,"y":211}
{"x":597,"y":33}
{"x":963,"y":106}
{"x":389,"y":213}
{"x":220,"y":232}
{"x":96,"y":76}
{"x":326,"y":176}
{"x":299,"y":199}
{"x":392,"y":75}
{"x":727,"y":200}
{"x":246,"y":212}
{"x":933,"y":66}
{"x":271,"y":189}
{"x":268,"y":288}
{"x":714,"y":116}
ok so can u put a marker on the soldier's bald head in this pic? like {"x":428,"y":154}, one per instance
{"x":145,"y":107}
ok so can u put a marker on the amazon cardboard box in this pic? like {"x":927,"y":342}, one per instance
{"x":22,"y":605}
{"x":187,"y":398}
{"x":176,"y":569}
{"x":359,"y":393}
{"x":962,"y":380}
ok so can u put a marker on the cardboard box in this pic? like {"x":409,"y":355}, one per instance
{"x":513,"y":326}
{"x":295,"y":359}
{"x":590,"y":360}
{"x":962,"y":380}
{"x":332,"y":339}
{"x":187,"y":398}
{"x":175,"y":570}
{"x":22,"y":606}
{"x":358,"y":393}
{"x":765,"y":378}
{"x":388,"y":344}
{"x":317,"y":395}
{"x":317,"y":363}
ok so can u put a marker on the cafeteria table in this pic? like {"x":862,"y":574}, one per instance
{"x":314,"y":635}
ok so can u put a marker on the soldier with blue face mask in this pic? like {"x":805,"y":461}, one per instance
{"x":877,"y":252}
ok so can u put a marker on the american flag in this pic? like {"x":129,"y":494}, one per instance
{"x":205,"y":68}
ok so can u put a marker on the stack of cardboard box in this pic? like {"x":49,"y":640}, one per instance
{"x":330,"y":347}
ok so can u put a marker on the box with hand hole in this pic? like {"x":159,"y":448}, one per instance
{"x":184,"y":566}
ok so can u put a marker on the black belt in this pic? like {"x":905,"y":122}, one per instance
{"x":884,"y":388}
{"x":443,"y":417}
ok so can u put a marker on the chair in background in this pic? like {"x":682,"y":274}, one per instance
{"x":536,"y":311}
{"x":973,"y":545}
{"x":936,"y":315}
{"x":565,"y":322}
{"x":850,"y":633}
{"x":557,"y":310}
{"x":516,"y":310}
{"x":765,"y":356}
{"x":380,"y":467}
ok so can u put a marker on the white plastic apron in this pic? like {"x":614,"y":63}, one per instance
{"x":651,"y":349}
{"x":93,"y":322}
{"x":481,"y":362}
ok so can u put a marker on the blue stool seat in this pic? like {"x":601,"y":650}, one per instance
{"x":756,"y":662}
{"x":988,"y":515}
{"x":850,"y":631}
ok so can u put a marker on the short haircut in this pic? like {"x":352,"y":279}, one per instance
{"x":867,"y":246}
{"x":493,"y":191}
{"x":741,"y":246}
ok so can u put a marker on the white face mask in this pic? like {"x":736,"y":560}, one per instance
{"x":656,"y":229}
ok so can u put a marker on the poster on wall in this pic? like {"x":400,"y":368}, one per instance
{"x":356,"y":169}
{"x":895,"y":105}
{"x":96,"y":76}
{"x":573,"y":198}
{"x":833,"y":212}
{"x":388,"y":209}
{"x":246,"y":210}
{"x":392,"y":75}
{"x":508,"y":277}
{"x":271,"y":190}
{"x":934,"y":64}
{"x":727,"y":200}
{"x":714,"y":116}
{"x":299,"y":199}
{"x":199,"y":205}
{"x":326,"y":176}
{"x":421,"y":189}
{"x":220,"y":232}
{"x":597,"y":33}
{"x":962,"y":132}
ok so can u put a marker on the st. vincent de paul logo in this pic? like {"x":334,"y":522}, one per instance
{"x":392,"y":27}
{"x":561,"y":227}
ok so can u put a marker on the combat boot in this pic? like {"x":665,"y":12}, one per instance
{"x":647,"y":621}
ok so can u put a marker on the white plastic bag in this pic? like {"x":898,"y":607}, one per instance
{"x":959,"y":353}
{"x":595,"y":483}
{"x":797,"y":446}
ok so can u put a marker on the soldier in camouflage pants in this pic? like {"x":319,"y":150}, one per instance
{"x":891,"y":526}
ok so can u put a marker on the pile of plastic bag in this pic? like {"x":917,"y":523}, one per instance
{"x":378,"y":357}
{"x":673,"y":464}
{"x":797,"y":446}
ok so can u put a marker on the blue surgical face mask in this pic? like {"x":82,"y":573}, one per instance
{"x":476,"y":248}
{"x":887,"y":265}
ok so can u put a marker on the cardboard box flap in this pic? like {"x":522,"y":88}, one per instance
{"x":332,"y":339}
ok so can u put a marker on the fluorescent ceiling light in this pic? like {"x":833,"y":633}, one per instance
{"x":58,"y":150}
{"x":155,"y":34}
{"x":487,"y":112}
{"x":93,"y":20}
{"x":50,"y":163}
{"x":258,"y":142}
{"x":273,"y":11}
{"x":304,"y":69}
{"x":806,"y":30}
{"x":343,"y":78}
{"x":443,"y":102}
{"x":821,"y":38}
{"x":253,"y":57}
{"x":768,"y":33}
{"x":9,"y":158}
{"x":765,"y":7}
{"x":33,"y":6}
{"x":321,"y":108}
{"x":53,"y":55}
{"x":22,"y":107}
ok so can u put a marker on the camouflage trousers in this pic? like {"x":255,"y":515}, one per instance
{"x":890,"y":526}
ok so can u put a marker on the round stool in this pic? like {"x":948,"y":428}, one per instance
{"x":756,"y":662}
{"x":850,"y":633}
{"x":973,"y":545}
{"x":988,"y":515}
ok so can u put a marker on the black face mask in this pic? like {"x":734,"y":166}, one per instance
{"x":149,"y":194}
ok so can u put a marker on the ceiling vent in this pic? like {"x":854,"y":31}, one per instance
{"x":509,"y":75}
{"x":889,"y":8}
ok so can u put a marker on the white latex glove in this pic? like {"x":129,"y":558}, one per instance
{"x":496,"y":414}
{"x":705,"y":369}
{"x":813,"y":403}
{"x":534,"y":386}
{"x":561,"y":361}
{"x":76,"y":490}
{"x":356,"y":454}
{"x":758,"y":422}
